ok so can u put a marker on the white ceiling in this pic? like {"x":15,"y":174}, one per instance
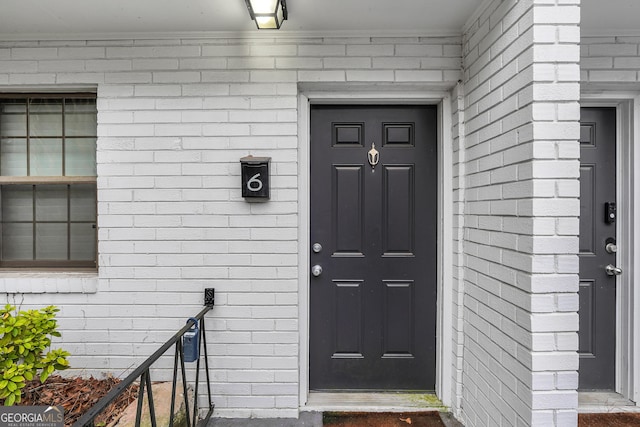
{"x":156,"y":16}
{"x":77,"y":18}
{"x":610,"y":17}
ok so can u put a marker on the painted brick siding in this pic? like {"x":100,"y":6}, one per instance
{"x":610,"y":60}
{"x":174,"y":118}
{"x":520,"y":227}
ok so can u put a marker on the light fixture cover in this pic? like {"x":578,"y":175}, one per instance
{"x":268,"y":14}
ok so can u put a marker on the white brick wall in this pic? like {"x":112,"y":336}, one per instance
{"x":610,"y":60}
{"x":174,"y":118}
{"x":521,"y":89}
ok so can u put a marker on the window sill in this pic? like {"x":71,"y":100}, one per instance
{"x":48,"y":282}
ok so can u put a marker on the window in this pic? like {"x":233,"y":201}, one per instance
{"x":48,"y":181}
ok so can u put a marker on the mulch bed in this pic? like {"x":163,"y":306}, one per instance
{"x":432,"y":419}
{"x":77,"y":395}
{"x":621,"y":419}
{"x":383,"y":419}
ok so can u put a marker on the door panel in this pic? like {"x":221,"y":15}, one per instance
{"x":399,"y":307}
{"x":373,"y":308}
{"x":348,"y":319}
{"x":587,"y":319}
{"x":587,"y":208}
{"x":597,"y":290}
{"x":348,"y":210}
{"x":398,"y":205}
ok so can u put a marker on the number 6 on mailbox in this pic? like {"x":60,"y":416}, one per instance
{"x":255,"y":178}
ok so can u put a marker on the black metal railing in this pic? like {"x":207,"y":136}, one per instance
{"x":142,"y":373}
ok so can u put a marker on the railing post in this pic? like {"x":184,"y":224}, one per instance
{"x":174,"y":385}
{"x":152,"y":409}
{"x":206,"y":363}
{"x":143,"y":382}
{"x":184,"y":384}
{"x":195,"y":394}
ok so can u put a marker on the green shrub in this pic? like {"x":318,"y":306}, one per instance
{"x":24,"y":338}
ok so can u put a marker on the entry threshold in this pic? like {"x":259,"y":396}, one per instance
{"x":594,"y":402}
{"x":373,"y":402}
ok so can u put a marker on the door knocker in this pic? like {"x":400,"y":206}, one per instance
{"x":374,"y":156}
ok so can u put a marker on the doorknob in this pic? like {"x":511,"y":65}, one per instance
{"x":612,"y":270}
{"x":316,"y":270}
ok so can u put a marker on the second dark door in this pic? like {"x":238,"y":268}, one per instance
{"x":373,"y":231}
{"x":598,"y":218}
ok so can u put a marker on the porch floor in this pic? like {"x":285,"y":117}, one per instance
{"x":373,"y":402}
{"x":602,"y":402}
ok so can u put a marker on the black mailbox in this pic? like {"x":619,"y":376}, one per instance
{"x":255,"y":178}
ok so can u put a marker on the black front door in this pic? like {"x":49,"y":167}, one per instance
{"x":598,"y":216}
{"x":373,"y":231}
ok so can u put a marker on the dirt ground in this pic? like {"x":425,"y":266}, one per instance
{"x":433,"y":420}
{"x":424,"y":419}
{"x":609,"y":420}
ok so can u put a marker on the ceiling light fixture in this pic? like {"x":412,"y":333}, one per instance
{"x":268,"y":14}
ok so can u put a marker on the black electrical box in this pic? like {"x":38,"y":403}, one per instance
{"x":255,"y":178}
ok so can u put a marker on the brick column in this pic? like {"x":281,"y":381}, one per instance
{"x":521,"y":90}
